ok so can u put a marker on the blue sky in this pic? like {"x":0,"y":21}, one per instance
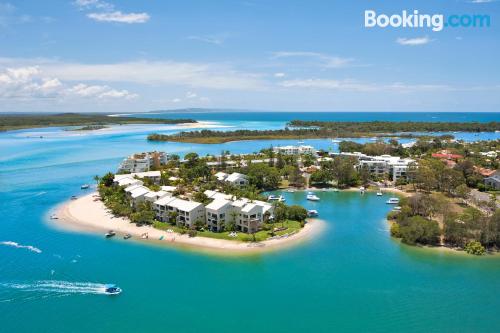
{"x":134,"y":56}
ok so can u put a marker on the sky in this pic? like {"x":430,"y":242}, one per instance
{"x":137,"y":56}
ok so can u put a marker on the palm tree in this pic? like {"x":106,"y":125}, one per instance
{"x":97,"y":178}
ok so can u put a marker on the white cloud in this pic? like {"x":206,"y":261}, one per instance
{"x":324,"y":60}
{"x":279,"y":74}
{"x":120,"y":17}
{"x":105,"y":12}
{"x":84,"y":90}
{"x":211,"y":39}
{"x":357,"y":86}
{"x":176,"y":100}
{"x":482,"y":1}
{"x":414,"y":41}
{"x":211,"y":76}
{"x":191,"y":94}
{"x":29,"y":83}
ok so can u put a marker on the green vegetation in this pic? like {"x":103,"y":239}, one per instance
{"x":474,"y":247}
{"x":89,"y":128}
{"x":393,"y":127}
{"x":318,"y":129}
{"x":13,"y":122}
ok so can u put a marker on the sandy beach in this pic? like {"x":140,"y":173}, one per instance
{"x":88,"y":214}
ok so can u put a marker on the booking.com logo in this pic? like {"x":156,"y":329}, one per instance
{"x":436,"y":22}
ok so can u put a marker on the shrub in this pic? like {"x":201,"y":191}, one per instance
{"x":475,"y":248}
{"x":395,"y":232}
{"x":192,"y":233}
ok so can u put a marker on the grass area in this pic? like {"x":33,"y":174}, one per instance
{"x":13,"y":122}
{"x":291,"y":226}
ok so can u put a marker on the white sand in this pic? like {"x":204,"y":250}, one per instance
{"x":88,"y":214}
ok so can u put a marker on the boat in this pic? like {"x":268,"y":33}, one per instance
{"x":336,"y":141}
{"x":300,"y":142}
{"x":85,"y":186}
{"x":312,"y":197}
{"x":73,"y":197}
{"x":324,"y":190}
{"x":362,"y":190}
{"x":110,"y":234}
{"x":392,"y":201}
{"x":276,"y":198}
{"x":127,"y":236}
{"x":291,"y":190}
{"x":112,"y":289}
{"x":53,"y":217}
{"x":145,"y":235}
{"x":397,"y":208}
{"x":312,"y":213}
{"x":379,"y":193}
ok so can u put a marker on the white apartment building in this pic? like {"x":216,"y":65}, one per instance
{"x":295,"y":150}
{"x":394,"y":166}
{"x":237,"y":179}
{"x":187,"y":212}
{"x":142,"y":162}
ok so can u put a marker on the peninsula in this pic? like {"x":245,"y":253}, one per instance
{"x":88,"y":120}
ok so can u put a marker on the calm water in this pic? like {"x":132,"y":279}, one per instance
{"x":353,"y":277}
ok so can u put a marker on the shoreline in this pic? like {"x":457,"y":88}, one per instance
{"x":89,"y":216}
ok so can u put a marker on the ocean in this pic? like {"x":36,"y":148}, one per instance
{"x":351,"y":278}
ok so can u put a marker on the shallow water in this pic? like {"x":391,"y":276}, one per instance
{"x":352,"y":277}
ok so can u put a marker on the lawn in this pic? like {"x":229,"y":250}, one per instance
{"x":291,"y":226}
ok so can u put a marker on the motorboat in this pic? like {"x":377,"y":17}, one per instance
{"x":85,"y":186}
{"x":110,"y":234}
{"x":312,"y":213}
{"x":276,"y":198}
{"x":73,"y":197}
{"x":291,"y":190}
{"x":127,"y":236}
{"x":53,"y":217}
{"x":392,"y":201}
{"x":312,"y":197}
{"x":362,"y":190}
{"x":324,"y":190}
{"x":379,"y":193}
{"x":112,"y":289}
{"x":300,"y":142}
{"x":336,"y":141}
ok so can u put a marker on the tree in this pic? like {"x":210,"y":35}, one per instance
{"x":107,"y":179}
{"x":416,"y":229}
{"x":462,"y":191}
{"x":97,"y":178}
{"x":320,"y":177}
{"x":296,"y":213}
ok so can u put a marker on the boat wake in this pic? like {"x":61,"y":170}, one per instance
{"x":19,"y":246}
{"x":58,"y":287}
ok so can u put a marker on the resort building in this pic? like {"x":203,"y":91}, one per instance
{"x":217,"y":212}
{"x":143,"y":162}
{"x":393,"y":166}
{"x":128,"y":179}
{"x":295,"y":150}
{"x":152,"y":196}
{"x":136,"y":193}
{"x":493,"y":181}
{"x":185,"y":212}
{"x":237,"y":179}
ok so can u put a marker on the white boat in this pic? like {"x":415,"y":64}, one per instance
{"x":276,"y":198}
{"x":290,"y":190}
{"x":362,"y":190}
{"x":336,"y":141}
{"x":85,"y":186}
{"x":379,"y":193}
{"x":397,"y":208}
{"x":53,"y":217}
{"x":312,"y":213}
{"x":312,"y":197}
{"x":301,"y":142}
{"x":392,"y":201}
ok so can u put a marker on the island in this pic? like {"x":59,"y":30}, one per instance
{"x":316,"y":129}
{"x":89,"y":121}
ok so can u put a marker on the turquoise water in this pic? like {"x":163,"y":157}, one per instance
{"x":352,"y":277}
